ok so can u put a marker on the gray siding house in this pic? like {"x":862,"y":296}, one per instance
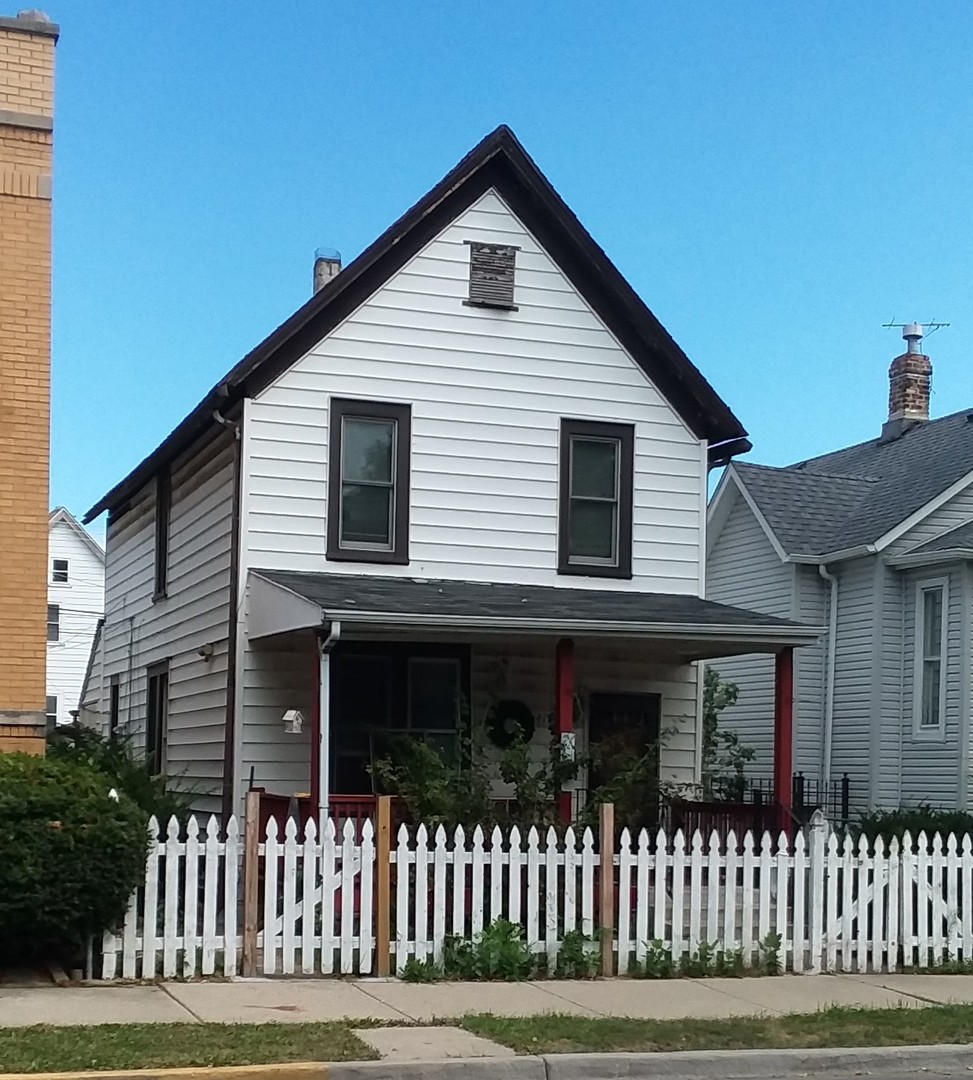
{"x":464,"y":482}
{"x":875,"y":542}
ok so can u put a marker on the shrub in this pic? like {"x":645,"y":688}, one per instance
{"x":70,"y":856}
{"x":914,"y":819}
{"x":128,"y":773}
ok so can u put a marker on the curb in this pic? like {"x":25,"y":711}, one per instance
{"x":678,"y":1065}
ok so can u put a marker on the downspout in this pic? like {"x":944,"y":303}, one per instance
{"x":829,"y":684}
{"x":322,"y":735}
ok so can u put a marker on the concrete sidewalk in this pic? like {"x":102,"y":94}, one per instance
{"x":296,"y":1000}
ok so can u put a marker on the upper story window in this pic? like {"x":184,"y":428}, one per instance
{"x":59,"y":571}
{"x":595,"y":499}
{"x":929,"y":694}
{"x":368,"y":481}
{"x":492,"y":269}
{"x":163,"y":507}
{"x":114,"y":691}
{"x":53,"y":622}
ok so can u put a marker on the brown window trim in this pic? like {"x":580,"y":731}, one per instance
{"x":398,"y":554}
{"x":156,"y":716}
{"x":163,"y":510}
{"x":594,"y":429}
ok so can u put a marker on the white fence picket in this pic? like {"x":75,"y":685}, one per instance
{"x":715,"y":890}
{"x":730,"y":939}
{"x":660,"y":891}
{"x":190,"y":901}
{"x":571,"y":881}
{"x":922,"y":900}
{"x":349,"y":868}
{"x":460,"y":863}
{"x":533,"y":890}
{"x":695,"y":890}
{"x":439,"y":896}
{"x":799,"y":929}
{"x":329,"y":892}
{"x":748,"y":883}
{"x":231,"y":878}
{"x":150,"y":910}
{"x":937,"y":937}
{"x":678,"y":892}
{"x":907,"y":924}
{"x":210,"y":870}
{"x":476,"y":908}
{"x":862,"y":890}
{"x":642,"y":896}
{"x":309,"y":909}
{"x":781,"y":907}
{"x":623,"y":927}
{"x":402,"y":900}
{"x":366,"y":938}
{"x":588,"y":861}
{"x":422,"y":943}
{"x":496,"y":874}
{"x":270,"y":899}
{"x":550,"y":898}
{"x":966,"y":892}
{"x":289,"y":906}
{"x":515,"y":864}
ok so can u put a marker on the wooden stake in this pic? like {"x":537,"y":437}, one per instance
{"x":606,"y":851}
{"x":383,"y":913}
{"x":251,"y":878}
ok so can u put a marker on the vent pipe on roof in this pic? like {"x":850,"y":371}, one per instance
{"x":327,"y":265}
{"x":910,"y":380}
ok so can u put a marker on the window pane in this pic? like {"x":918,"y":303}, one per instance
{"x":366,"y":515}
{"x":591,"y":530}
{"x":433,"y":693}
{"x":59,"y":570}
{"x":931,"y":674}
{"x":366,"y":452}
{"x":593,"y":468}
{"x":53,"y":622}
{"x":932,"y":622}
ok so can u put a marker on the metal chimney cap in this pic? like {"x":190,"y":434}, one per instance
{"x":327,"y":253}
{"x":912,"y":330}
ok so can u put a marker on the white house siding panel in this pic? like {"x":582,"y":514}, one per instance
{"x":744,"y":569}
{"x":930,"y":772}
{"x":956,"y":512}
{"x":812,"y":608}
{"x":488,"y":390}
{"x":278,"y":676}
{"x":139,"y":632}
{"x":889,"y":633}
{"x":81,"y":603}
{"x":851,"y":741}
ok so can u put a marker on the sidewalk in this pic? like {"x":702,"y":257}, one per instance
{"x":302,"y":1000}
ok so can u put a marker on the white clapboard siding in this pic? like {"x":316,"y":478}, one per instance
{"x":139,"y":632}
{"x":488,"y":391}
{"x":818,"y":903}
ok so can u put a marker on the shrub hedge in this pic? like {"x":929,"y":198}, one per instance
{"x":70,"y":856}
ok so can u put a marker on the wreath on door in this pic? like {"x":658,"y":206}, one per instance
{"x":508,"y":721}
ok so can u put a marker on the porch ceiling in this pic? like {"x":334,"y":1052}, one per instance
{"x":283,"y":601}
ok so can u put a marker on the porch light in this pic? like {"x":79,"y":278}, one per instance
{"x":293,"y":721}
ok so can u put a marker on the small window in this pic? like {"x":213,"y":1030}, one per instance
{"x":53,"y":622}
{"x":59,"y":571}
{"x":930,"y":658}
{"x":51,"y":711}
{"x":595,"y":527}
{"x":492,"y":275}
{"x":157,"y":717}
{"x":368,"y":481}
{"x":113,"y":702}
{"x":163,"y":505}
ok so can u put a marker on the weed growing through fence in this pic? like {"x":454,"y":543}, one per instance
{"x":421,"y":971}
{"x":707,"y":961}
{"x":577,"y":958}
{"x":770,"y":958}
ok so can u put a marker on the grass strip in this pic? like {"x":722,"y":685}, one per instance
{"x":838,"y":1026}
{"x":49,"y":1048}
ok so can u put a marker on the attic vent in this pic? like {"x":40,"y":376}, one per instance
{"x":492,"y":275}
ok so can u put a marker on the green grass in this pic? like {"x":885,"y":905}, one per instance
{"x":564,"y":1034}
{"x":46,"y":1048}
{"x":154,"y":1046}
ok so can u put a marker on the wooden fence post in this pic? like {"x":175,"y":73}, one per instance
{"x":383,"y":914}
{"x":251,"y":878}
{"x":606,"y":898}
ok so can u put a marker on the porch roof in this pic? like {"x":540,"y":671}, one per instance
{"x":285,"y":601}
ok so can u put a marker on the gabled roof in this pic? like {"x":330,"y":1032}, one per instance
{"x":959,"y":540}
{"x":59,"y":514}
{"x":499,"y":162}
{"x":853,"y":498}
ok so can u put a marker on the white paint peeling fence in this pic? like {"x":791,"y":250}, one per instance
{"x":354,"y":902}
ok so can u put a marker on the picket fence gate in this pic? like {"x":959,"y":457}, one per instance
{"x":352,"y":902}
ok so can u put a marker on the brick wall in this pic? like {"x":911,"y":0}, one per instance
{"x":26,"y":148}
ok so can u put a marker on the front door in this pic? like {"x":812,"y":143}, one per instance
{"x":623,"y":731}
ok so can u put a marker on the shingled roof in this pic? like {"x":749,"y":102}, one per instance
{"x":853,"y":497}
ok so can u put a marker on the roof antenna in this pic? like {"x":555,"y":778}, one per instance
{"x":914,"y":332}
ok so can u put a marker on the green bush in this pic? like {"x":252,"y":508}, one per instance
{"x":70,"y":856}
{"x":128,"y":772}
{"x":914,"y":819}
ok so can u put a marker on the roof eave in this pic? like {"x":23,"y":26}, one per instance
{"x":931,"y":558}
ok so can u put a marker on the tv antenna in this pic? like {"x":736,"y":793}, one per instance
{"x":925,"y":328}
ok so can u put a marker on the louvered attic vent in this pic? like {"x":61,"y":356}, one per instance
{"x":492,"y":275}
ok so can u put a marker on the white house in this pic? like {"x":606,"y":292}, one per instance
{"x":75,"y":606}
{"x":466,"y":480}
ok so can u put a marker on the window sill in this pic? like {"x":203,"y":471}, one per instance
{"x":581,"y":570}
{"x":933,"y":735}
{"x":156,"y":597}
{"x":387,"y":558}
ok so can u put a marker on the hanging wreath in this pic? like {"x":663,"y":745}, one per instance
{"x":508,"y":721}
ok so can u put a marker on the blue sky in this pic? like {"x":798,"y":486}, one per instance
{"x":776,"y":181}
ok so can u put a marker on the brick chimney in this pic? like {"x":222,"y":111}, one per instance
{"x":910,"y":377}
{"x":327,"y":264}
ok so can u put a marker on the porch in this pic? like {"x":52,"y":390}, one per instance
{"x":339,"y":667}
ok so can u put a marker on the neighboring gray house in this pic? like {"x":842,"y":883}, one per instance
{"x":876,"y":543}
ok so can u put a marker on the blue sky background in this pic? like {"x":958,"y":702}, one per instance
{"x":776,"y":181}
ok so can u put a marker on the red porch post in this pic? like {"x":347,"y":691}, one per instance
{"x":784,"y":734}
{"x":315,"y":786}
{"x":564,"y":711}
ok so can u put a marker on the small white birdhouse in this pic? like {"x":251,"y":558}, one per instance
{"x":293,"y":721}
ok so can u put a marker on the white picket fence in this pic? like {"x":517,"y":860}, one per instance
{"x":819,"y":904}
